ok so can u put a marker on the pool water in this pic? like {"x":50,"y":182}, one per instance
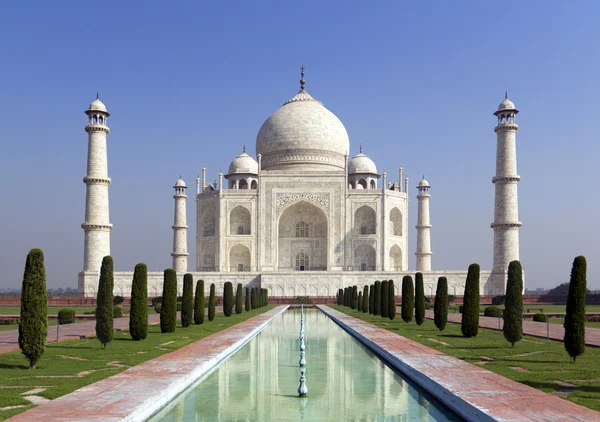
{"x":345,"y":381}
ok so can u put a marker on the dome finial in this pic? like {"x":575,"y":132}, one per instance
{"x":244,"y":149}
{"x":302,"y":81}
{"x":360,"y":149}
{"x":97,"y":96}
{"x":506,"y":95}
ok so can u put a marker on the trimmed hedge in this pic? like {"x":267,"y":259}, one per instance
{"x":211,"y":303}
{"x":391,"y":300}
{"x":419,"y":299}
{"x":227,"y":298}
{"x":575,"y":314}
{"x":239,"y":297}
{"x":104,"y":302}
{"x":492,"y":311}
{"x":168,"y":311}
{"x":117,"y":312}
{"x":33,"y":325}
{"x":513,"y":304}
{"x":408,"y":298}
{"x":470,"y":315}
{"x":199,"y":303}
{"x":371,"y":298}
{"x":248,"y":307}
{"x":354,"y":297}
{"x":385,"y":299}
{"x":377,"y":298}
{"x":440,"y":305}
{"x":254,"y":298}
{"x":66,"y":316}
{"x":138,"y":313}
{"x":365,"y":297}
{"x":540,"y":317}
{"x":187,"y":302}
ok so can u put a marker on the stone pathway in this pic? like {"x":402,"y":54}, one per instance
{"x":136,"y":393}
{"x":536,"y":329}
{"x":472,"y":391}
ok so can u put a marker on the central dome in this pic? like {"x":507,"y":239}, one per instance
{"x":302,"y":133}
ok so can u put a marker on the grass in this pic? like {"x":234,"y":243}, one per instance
{"x":16,"y":327}
{"x":81,"y":362}
{"x":52,"y":310}
{"x":546,"y":360}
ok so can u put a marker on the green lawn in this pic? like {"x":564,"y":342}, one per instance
{"x":82,"y":362}
{"x":15,"y":327}
{"x":546,"y":360}
{"x":52,"y":310}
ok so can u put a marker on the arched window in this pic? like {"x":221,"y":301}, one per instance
{"x":396,"y":222}
{"x":363,"y":183}
{"x":302,"y":229}
{"x":302,"y":262}
{"x":253,"y":185}
{"x":100,"y":120}
{"x":365,"y":220}
{"x":243,"y":184}
{"x":372,"y":184}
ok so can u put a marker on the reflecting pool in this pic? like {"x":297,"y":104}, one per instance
{"x":345,"y":381}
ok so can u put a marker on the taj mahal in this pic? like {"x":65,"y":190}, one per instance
{"x":302,"y":217}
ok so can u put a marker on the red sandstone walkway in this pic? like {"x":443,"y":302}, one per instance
{"x":536,"y":329}
{"x":473,"y":392}
{"x":137,"y":393}
{"x":9,"y":340}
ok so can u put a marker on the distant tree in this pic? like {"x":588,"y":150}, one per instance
{"x":563,"y":289}
{"x":513,"y":304}
{"x":372,"y":299}
{"x":365,"y":297}
{"x":227,"y":298}
{"x":33,"y":323}
{"x":254,"y":298}
{"x":385,"y":299}
{"x":104,"y":302}
{"x":354,"y":297}
{"x":211,"y":303}
{"x":391,"y":300}
{"x":419,"y":299}
{"x":199,"y":303}
{"x":345,"y":299}
{"x":408,"y":298}
{"x":575,"y":314}
{"x":248,"y":306}
{"x":340,"y":298}
{"x":239,"y":296}
{"x":377,"y":299}
{"x":470,"y":314}
{"x":359,"y":302}
{"x":138,"y":313}
{"x":440,"y":306}
{"x":168,"y":310}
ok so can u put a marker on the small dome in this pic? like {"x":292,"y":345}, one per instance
{"x":97,"y":105}
{"x":243,"y":164}
{"x":506,"y":105}
{"x":361,"y":164}
{"x":180,"y":183}
{"x":423,"y":183}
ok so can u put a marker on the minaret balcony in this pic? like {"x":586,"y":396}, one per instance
{"x":506,"y":127}
{"x":92,"y":226}
{"x":506,"y":179}
{"x":97,"y":128}
{"x":506,"y":225}
{"x":97,"y":180}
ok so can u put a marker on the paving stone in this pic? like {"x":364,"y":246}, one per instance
{"x":34,"y":391}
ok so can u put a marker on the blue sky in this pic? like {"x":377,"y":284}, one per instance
{"x":188,"y":83}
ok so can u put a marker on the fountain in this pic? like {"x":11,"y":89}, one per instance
{"x":302,"y":389}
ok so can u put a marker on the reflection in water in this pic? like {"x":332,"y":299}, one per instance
{"x":345,"y":381}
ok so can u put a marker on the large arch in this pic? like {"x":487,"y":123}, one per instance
{"x":364,"y":257}
{"x":208,"y":221}
{"x":302,"y":230}
{"x":395,"y":258}
{"x":239,"y":258}
{"x":365,"y":220}
{"x":239,"y":221}
{"x":396,"y":222}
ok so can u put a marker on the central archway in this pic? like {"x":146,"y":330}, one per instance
{"x":302,"y":238}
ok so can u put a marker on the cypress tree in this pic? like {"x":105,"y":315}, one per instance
{"x":354,"y":297}
{"x":470,"y":316}
{"x":345,"y":298}
{"x":392,"y":300}
{"x":248,"y":307}
{"x":168,"y":309}
{"x":199,"y":303}
{"x":187,"y":305}
{"x":360,"y":302}
{"x":377,"y":298}
{"x":419,"y":299}
{"x":33,"y":323}
{"x":266,"y":297}
{"x":104,"y":302}
{"x":513,"y":304}
{"x":138,"y":314}
{"x":211,"y":303}
{"x":227,"y":298}
{"x":238,"y":299}
{"x":385,"y":299}
{"x":440,"y":306}
{"x":408,"y":298}
{"x":340,"y":297}
{"x":253,"y":299}
{"x":575,"y":315}
{"x":365,"y":304}
{"x":371,"y":298}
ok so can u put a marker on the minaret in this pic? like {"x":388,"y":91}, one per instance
{"x":97,"y":225}
{"x":180,"y":227}
{"x":506,"y":206}
{"x":423,"y":226}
